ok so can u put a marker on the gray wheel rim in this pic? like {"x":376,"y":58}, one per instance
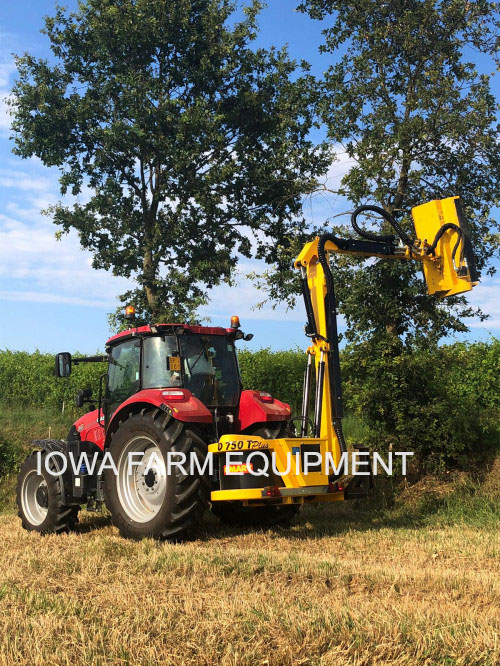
{"x":141,"y":493}
{"x":34,"y":512}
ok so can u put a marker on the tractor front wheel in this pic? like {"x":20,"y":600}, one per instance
{"x":146,"y":498}
{"x":39,"y":498}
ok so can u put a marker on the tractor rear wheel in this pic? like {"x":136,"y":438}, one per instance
{"x":143,"y":498}
{"x":234,"y":513}
{"x":39,"y":499}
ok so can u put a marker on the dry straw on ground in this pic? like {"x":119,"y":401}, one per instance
{"x":313,"y":594}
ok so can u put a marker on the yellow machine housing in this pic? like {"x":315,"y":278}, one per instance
{"x":444,"y":276}
{"x":443,"y":247}
{"x":297,"y":487}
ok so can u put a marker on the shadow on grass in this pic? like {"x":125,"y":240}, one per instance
{"x":466,"y":504}
{"x":387,"y":508}
{"x":89,"y":522}
{"x":428,"y":506}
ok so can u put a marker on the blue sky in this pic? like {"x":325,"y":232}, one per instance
{"x":51,"y":298}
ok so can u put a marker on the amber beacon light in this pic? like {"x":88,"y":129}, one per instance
{"x":130,"y":312}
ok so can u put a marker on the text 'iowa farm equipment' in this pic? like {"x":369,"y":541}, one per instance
{"x":175,"y":390}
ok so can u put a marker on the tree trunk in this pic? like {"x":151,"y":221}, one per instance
{"x":149,"y":286}
{"x":149,"y":274}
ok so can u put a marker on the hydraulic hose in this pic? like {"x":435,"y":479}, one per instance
{"x":446,"y":227}
{"x":462,"y":236}
{"x":382,"y":238}
{"x":334,"y":361}
{"x":332,"y":333}
{"x":331,"y":309}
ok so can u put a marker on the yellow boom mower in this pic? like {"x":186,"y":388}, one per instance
{"x":305,"y":468}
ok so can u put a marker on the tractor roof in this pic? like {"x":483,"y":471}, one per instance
{"x":164,"y":328}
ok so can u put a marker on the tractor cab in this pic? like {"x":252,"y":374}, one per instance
{"x":201,"y":360}
{"x":189,"y":370}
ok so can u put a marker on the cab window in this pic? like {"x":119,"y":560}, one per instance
{"x":123,"y":373}
{"x":161,"y":362}
{"x":210,"y":370}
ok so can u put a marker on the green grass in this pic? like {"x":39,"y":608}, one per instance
{"x":459,"y":499}
{"x":409,"y":576}
{"x":18,"y":428}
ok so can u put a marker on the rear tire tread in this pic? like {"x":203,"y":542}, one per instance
{"x":60,"y":517}
{"x":191,"y":494}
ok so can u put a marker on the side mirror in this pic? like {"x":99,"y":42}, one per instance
{"x":82,"y":397}
{"x":63,"y":364}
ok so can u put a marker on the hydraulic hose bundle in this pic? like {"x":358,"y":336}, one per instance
{"x":388,"y":217}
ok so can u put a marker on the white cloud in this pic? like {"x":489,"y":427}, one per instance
{"x":242,"y":300}
{"x":487,"y":297}
{"x":6,"y":71}
{"x":325,"y":202}
{"x":16,"y":179}
{"x":7,"y":68}
{"x":339,"y":168}
{"x":33,"y":261}
{"x":35,"y":267}
{"x":5,"y":118}
{"x":46,"y":297}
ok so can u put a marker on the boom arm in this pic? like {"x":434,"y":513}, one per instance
{"x":444,"y":248}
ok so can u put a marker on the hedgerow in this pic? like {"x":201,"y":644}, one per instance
{"x":443,"y":405}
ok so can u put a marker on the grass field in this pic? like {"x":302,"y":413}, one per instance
{"x":411,"y":580}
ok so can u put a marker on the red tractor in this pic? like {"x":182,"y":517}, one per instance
{"x":175,"y":390}
{"x":168,"y":388}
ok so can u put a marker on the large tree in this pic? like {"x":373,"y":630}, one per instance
{"x":418,"y":121}
{"x":194,"y":145}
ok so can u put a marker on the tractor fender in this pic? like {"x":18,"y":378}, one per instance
{"x":187,"y":409}
{"x":90,"y":428}
{"x":254,"y":409}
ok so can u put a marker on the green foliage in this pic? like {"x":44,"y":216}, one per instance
{"x":19,"y":425}
{"x":418,"y":122}
{"x":418,"y":118}
{"x":192,"y":143}
{"x":28,"y":380}
{"x":443,"y":405}
{"x":280,"y":373}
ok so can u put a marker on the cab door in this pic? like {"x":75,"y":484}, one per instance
{"x":124,"y":374}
